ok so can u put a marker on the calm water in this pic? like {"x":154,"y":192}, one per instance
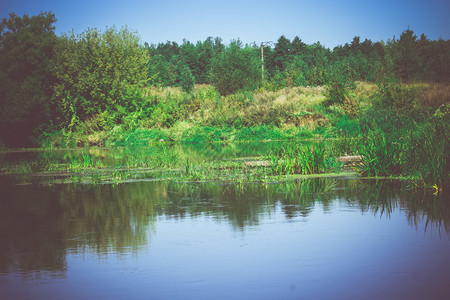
{"x":321,"y":238}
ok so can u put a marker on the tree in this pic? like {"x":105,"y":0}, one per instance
{"x":235,"y":68}
{"x":26,"y":51}
{"x":189,"y":54}
{"x":297,"y":46}
{"x":316,"y":57}
{"x":95,"y":70}
{"x":406,"y":55}
{"x":206,"y":50}
{"x":295,"y":72}
{"x":355,"y":45}
{"x":185,"y":78}
{"x":168,"y":49}
{"x":282,"y":53}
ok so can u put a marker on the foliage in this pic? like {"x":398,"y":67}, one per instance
{"x":340,"y":86}
{"x":203,"y":135}
{"x":428,"y":144}
{"x":136,"y":137}
{"x":94,"y":72}
{"x":392,"y":94}
{"x":186,"y":79}
{"x":161,"y":72}
{"x":406,"y":56}
{"x":27,"y":47}
{"x":295,"y":72}
{"x":381,"y":155}
{"x":260,"y":133}
{"x":235,"y":68}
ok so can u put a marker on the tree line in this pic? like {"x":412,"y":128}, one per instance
{"x":50,"y":82}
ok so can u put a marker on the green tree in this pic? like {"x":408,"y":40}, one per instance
{"x":316,"y":58}
{"x":341,"y":83}
{"x":439,"y":56}
{"x":95,"y":71}
{"x":295,"y":72}
{"x":297,"y":46}
{"x":282,"y":53}
{"x":185,"y":78}
{"x":189,"y":54}
{"x":159,"y":71}
{"x":26,"y":51}
{"x":235,"y":68}
{"x":206,"y":50}
{"x":406,"y":55}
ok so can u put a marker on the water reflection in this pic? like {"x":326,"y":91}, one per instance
{"x":40,"y":225}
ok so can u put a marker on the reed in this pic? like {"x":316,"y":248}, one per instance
{"x":381,"y":155}
{"x":298,"y":159}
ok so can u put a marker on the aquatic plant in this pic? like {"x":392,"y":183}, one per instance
{"x":299,"y":159}
{"x":381,"y":155}
{"x":428,"y":156}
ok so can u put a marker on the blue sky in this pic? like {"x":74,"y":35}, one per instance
{"x":330,"y":22}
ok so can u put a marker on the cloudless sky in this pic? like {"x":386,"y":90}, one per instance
{"x":330,"y":22}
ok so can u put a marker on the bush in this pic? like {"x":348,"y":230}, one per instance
{"x":197,"y":135}
{"x":95,"y":71}
{"x":347,"y":126}
{"x":340,"y":88}
{"x":259,"y":133}
{"x":137,"y":137}
{"x":392,"y":94}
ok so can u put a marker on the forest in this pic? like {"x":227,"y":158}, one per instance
{"x":108,"y":88}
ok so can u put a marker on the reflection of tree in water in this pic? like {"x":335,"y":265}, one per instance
{"x":108,"y":218}
{"x":30,"y":231}
{"x":39,"y":226}
{"x":244,"y":205}
{"x":384,"y":196}
{"x":434,"y":210}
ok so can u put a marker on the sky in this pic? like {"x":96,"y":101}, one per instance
{"x":332,"y":23}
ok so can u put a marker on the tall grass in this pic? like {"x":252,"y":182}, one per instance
{"x":381,"y":155}
{"x":298,"y":159}
{"x":436,"y":94}
{"x":428,"y":158}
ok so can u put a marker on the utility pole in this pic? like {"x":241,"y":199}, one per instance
{"x":262,"y":62}
{"x":262,"y":58}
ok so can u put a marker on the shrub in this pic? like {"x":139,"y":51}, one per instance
{"x":137,"y":137}
{"x":203,"y":135}
{"x":95,"y":70}
{"x":392,"y":94}
{"x":259,"y":133}
{"x":340,"y":88}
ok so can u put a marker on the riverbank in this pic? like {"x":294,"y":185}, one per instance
{"x":397,"y":130}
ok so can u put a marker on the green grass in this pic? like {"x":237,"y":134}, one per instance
{"x":381,"y":155}
{"x":298,"y":158}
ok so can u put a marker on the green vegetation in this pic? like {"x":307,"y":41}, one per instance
{"x":98,"y":74}
{"x":27,"y":50}
{"x":235,"y":68}
{"x":385,"y":102}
